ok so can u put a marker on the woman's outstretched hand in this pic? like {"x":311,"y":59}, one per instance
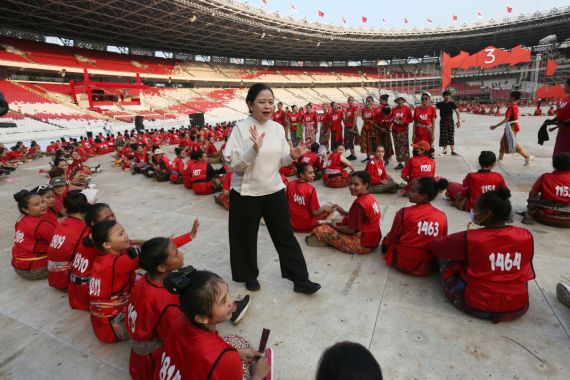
{"x":256,"y":138}
{"x":297,"y":151}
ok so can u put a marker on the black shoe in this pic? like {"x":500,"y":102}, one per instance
{"x":306,"y":287}
{"x":241,"y":308}
{"x":252,"y":285}
{"x":352,"y":157}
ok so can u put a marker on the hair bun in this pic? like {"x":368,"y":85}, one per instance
{"x":503,"y":193}
{"x":442,"y":184}
{"x":178,"y":281}
{"x":134,"y":251}
{"x":21,"y":195}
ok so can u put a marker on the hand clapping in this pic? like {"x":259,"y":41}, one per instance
{"x":298,"y":151}
{"x":256,"y":138}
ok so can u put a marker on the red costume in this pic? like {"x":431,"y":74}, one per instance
{"x":112,"y":278}
{"x":496,"y":265}
{"x":150,"y":314}
{"x":370,"y":234}
{"x":80,"y":274}
{"x":377,"y":171}
{"x":424,"y":117}
{"x":66,"y":239}
{"x":479,"y":183}
{"x":334,"y":174}
{"x":32,"y":237}
{"x":408,"y":241}
{"x":419,"y":166}
{"x":190,"y":352}
{"x":302,"y":199}
{"x":201,"y":185}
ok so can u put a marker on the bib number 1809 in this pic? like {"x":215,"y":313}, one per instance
{"x":504,"y":262}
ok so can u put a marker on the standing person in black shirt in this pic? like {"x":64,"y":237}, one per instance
{"x":446,"y":124}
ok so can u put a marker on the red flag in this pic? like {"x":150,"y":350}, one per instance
{"x":343,"y":21}
{"x":454,"y":18}
{"x":293,"y":8}
{"x":321,"y":13}
{"x":364,"y":19}
{"x":405,"y":20}
{"x":550,"y":67}
{"x":509,"y":10}
{"x":384,"y":20}
{"x":429,"y":20}
{"x":264,"y":2}
{"x":479,"y":14}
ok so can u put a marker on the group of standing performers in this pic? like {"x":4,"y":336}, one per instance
{"x":382,"y":125}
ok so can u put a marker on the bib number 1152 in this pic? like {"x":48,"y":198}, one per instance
{"x":504,"y":262}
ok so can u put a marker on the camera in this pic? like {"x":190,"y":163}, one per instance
{"x":3,"y":105}
{"x":180,"y":279}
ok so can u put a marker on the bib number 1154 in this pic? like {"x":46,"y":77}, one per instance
{"x":504,"y":262}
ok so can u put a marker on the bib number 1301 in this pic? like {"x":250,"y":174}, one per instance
{"x":504,"y":262}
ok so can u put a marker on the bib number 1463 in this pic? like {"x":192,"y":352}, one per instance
{"x":504,"y":261}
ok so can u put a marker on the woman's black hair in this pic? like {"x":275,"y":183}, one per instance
{"x":76,"y":202}
{"x":196,"y":155}
{"x":254,"y":91}
{"x":561,"y":161}
{"x":99,"y":234}
{"x":152,"y":253}
{"x":487,"y":158}
{"x":498,"y":203}
{"x":516,"y":95}
{"x":22,"y":197}
{"x":348,"y":361}
{"x":178,"y":150}
{"x":315,"y":147}
{"x":57,"y":161}
{"x":336,"y":145}
{"x":93,"y":213}
{"x":56,"y":171}
{"x":446,"y":92}
{"x":369,"y":97}
{"x":364,"y":176}
{"x":198,"y":291}
{"x":430,"y":187}
{"x":301,"y":167}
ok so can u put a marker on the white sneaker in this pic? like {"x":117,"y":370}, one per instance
{"x":528,"y":160}
{"x":563,"y":293}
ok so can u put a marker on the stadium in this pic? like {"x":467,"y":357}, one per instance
{"x":71,"y":69}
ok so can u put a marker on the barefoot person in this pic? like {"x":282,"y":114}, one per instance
{"x":446,"y":125}
{"x":508,"y":141}
{"x":255,"y":151}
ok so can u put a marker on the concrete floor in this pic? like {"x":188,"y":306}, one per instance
{"x":406,"y":322}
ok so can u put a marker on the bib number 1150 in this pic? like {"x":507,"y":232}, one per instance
{"x":504,"y":262}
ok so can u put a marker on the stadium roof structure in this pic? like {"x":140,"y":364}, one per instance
{"x":232,"y":29}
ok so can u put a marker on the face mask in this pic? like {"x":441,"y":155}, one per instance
{"x":472,"y":217}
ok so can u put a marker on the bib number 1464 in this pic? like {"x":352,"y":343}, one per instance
{"x":504,"y":261}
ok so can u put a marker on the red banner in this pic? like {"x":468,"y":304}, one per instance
{"x":550,"y":92}
{"x":550,"y":67}
{"x":487,"y":58}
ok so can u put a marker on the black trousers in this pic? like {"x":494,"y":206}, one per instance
{"x":245,"y":215}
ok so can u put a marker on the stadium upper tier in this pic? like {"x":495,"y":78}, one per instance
{"x":25,"y":55}
{"x":231,"y":29}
